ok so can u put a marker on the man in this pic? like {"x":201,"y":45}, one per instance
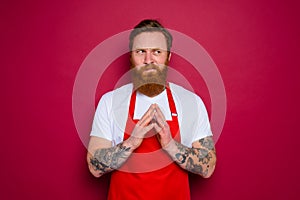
{"x":150,"y":133}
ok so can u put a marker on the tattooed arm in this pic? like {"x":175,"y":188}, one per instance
{"x":200,"y":159}
{"x":107,"y":158}
{"x":103,"y":158}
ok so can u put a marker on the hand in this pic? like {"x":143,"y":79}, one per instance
{"x":141,"y":128}
{"x":162,"y":128}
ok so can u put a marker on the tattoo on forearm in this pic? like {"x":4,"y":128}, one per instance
{"x":196,"y":160}
{"x":192,"y":167}
{"x":106,"y":160}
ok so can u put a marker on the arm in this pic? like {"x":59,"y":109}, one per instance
{"x":102,"y":157}
{"x":200,"y":159}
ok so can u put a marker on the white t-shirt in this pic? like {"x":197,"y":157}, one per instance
{"x":112,"y":112}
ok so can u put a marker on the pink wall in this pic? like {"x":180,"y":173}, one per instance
{"x":255,"y":46}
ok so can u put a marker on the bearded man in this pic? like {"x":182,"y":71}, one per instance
{"x":150,"y":133}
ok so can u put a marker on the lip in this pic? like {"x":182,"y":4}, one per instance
{"x":150,"y":70}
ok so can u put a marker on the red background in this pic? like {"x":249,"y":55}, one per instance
{"x":255,"y":45}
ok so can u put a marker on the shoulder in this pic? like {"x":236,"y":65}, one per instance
{"x":187,"y":100}
{"x":117,"y":93}
{"x":183,"y":94}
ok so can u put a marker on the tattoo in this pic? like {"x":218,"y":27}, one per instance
{"x":192,"y":167}
{"x":207,"y":143}
{"x":196,"y":160}
{"x":106,"y":160}
{"x":180,"y":157}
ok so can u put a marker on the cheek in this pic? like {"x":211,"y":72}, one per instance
{"x":163,"y":59}
{"x":164,"y":62}
{"x":136,"y":61}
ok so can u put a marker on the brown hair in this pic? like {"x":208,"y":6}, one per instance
{"x":150,"y":25}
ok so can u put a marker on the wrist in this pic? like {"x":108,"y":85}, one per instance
{"x":170,"y":146}
{"x":132,"y":142}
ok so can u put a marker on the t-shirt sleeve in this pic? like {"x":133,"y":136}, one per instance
{"x":202,"y":125}
{"x":101,"y":126}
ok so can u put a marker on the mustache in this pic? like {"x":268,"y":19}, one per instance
{"x":150,"y":66}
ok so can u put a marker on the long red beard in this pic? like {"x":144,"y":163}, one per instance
{"x":151,"y":84}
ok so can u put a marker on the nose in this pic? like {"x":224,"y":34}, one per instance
{"x":148,"y":58}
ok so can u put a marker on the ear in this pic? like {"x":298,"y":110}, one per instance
{"x":130,"y":60}
{"x":169,"y":58}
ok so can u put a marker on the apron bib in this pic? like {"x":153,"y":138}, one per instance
{"x":149,"y":173}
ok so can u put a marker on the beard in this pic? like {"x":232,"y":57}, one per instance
{"x":149,"y":83}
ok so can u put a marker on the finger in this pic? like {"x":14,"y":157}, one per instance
{"x":157,"y":128}
{"x":160,"y":120}
{"x":146,"y":120}
{"x":147,"y":117}
{"x":158,"y":137}
{"x":140,"y":132}
{"x":148,"y":128}
{"x":159,"y":112}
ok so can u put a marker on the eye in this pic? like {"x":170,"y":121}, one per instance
{"x":157,"y":52}
{"x":140,"y":51}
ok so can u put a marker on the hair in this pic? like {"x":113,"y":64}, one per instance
{"x":150,"y":25}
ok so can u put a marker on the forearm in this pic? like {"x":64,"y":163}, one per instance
{"x":199,"y":160}
{"x":105,"y":160}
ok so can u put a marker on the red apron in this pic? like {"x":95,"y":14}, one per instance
{"x":149,"y":173}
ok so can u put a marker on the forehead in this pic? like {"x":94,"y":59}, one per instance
{"x":151,"y":40}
